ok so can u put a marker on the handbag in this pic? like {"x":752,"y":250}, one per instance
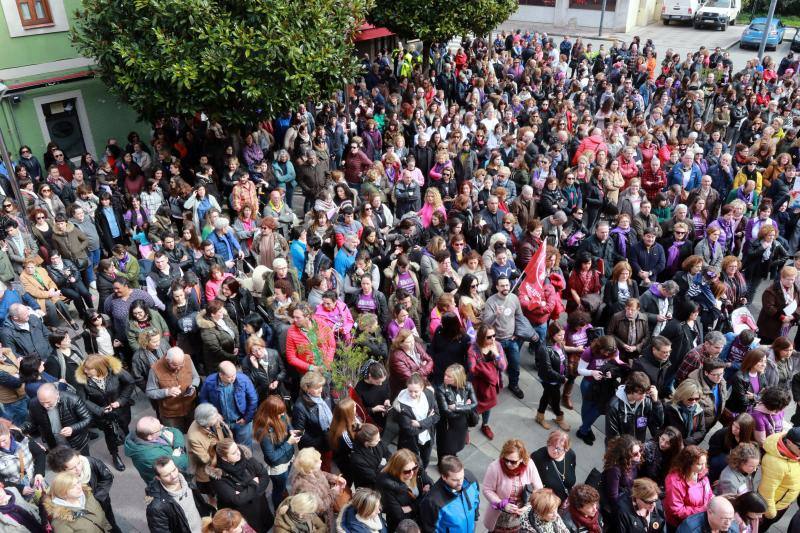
{"x":473,"y":418}
{"x":343,"y":497}
{"x":594,"y":478}
{"x":119,"y":433}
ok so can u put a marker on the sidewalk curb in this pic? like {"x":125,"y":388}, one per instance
{"x":733,"y":43}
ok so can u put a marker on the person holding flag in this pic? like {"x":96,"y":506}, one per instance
{"x":538,"y":293}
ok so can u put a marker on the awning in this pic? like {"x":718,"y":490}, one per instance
{"x":368,"y":32}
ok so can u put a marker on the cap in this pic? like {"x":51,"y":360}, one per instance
{"x":793,"y":435}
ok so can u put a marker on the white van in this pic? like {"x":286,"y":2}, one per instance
{"x":717,"y":14}
{"x":679,"y":10}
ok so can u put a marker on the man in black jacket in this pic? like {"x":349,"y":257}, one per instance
{"x":90,"y":471}
{"x":60,"y":418}
{"x":600,"y":246}
{"x":655,"y":363}
{"x":25,"y":333}
{"x":423,"y":155}
{"x":174,"y":506}
{"x":634,"y":409}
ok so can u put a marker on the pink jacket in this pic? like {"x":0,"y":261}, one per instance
{"x":213,"y":286}
{"x":339,"y":319}
{"x":682,"y":499}
{"x":496,"y":487}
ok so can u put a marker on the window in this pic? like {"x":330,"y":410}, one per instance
{"x":64,"y":126}
{"x":34,"y":13}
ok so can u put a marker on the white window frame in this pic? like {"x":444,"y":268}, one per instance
{"x":14,"y":23}
{"x":83,"y":118}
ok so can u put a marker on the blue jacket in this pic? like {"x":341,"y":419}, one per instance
{"x":12,"y":297}
{"x":227,"y":247}
{"x":676,"y":176}
{"x":653,"y":261}
{"x":699,"y":522}
{"x":244,"y":395}
{"x":277,"y":454}
{"x":351,"y":524}
{"x":343,"y":261}
{"x":297,"y":250}
{"x":444,"y":511}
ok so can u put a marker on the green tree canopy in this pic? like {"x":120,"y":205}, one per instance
{"x":236,"y":60}
{"x":441,"y":20}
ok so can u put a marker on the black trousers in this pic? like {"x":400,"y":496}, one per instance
{"x":768,"y":522}
{"x":551,"y":396}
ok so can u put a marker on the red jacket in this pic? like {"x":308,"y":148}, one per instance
{"x":652,"y":183}
{"x":401,"y":366}
{"x":298,"y":348}
{"x":628,"y":170}
{"x":593,"y":143}
{"x":539,"y":311}
{"x":355,"y":166}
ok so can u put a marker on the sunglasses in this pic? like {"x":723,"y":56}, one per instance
{"x":411,"y":470}
{"x":511,"y":461}
{"x":680,"y":233}
{"x":474,"y":286}
{"x":45,"y":190}
{"x":649,"y":502}
{"x":490,"y":336}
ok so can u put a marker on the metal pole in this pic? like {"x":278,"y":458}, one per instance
{"x":602,"y":16}
{"x":12,"y":177}
{"x":765,"y":34}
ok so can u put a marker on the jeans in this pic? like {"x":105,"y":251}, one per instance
{"x":590,"y":411}
{"x":243,"y":433}
{"x":511,"y":347}
{"x":79,"y":295}
{"x":279,"y":487}
{"x":94,"y":260}
{"x":485,"y":417}
{"x":15,"y":411}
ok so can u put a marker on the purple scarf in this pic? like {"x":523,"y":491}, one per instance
{"x":673,"y":253}
{"x":622,"y":239}
{"x":726,"y":239}
{"x":21,"y":516}
{"x":746,"y":198}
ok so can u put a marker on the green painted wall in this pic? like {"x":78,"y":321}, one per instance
{"x":107,"y":117}
{"x":33,"y":49}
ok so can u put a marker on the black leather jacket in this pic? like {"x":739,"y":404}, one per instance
{"x":71,"y":411}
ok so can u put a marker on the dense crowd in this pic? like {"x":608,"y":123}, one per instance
{"x":656,"y":195}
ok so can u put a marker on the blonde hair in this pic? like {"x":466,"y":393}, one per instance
{"x":544,"y":502}
{"x":686,"y":390}
{"x":301,"y":504}
{"x":146,"y":335}
{"x":458,"y":374}
{"x":312,"y":379}
{"x":644,"y":488}
{"x":366,"y":502}
{"x":61,"y":484}
{"x":306,"y":460}
{"x":437,"y":197}
{"x":559,"y":437}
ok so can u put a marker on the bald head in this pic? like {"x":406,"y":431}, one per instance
{"x":47,"y":395}
{"x":148,"y":428}
{"x":227,"y":372}
{"x":720,"y":513}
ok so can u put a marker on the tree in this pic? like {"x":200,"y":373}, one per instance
{"x":441,"y":20}
{"x":235,"y":60}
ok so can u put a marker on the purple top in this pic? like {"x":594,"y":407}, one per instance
{"x":754,"y":383}
{"x":769,"y":424}
{"x":394,"y":328}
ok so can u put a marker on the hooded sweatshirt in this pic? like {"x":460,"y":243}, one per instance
{"x":624,"y":418}
{"x":780,"y":475}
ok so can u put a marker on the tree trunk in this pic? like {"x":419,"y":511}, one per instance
{"x":426,"y":58}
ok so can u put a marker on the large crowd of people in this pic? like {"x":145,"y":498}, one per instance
{"x":658,"y":191}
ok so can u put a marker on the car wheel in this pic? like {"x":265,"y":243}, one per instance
{"x":666,"y":22}
{"x":724,"y":27}
{"x":741,"y":44}
{"x":733,"y":22}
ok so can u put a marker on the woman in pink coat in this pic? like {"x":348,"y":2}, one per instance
{"x":687,"y":489}
{"x":507,"y":486}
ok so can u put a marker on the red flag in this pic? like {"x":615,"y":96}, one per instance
{"x":532,"y":284}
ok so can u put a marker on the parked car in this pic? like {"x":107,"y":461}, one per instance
{"x":717,"y":14}
{"x":795,"y":46}
{"x":679,"y":10}
{"x":751,"y":36}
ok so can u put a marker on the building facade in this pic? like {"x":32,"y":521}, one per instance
{"x":620,"y":15}
{"x":53,"y":94}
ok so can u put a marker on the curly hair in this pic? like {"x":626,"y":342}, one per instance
{"x":686,"y":459}
{"x":619,"y":452}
